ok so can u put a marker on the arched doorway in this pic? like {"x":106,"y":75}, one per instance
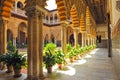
{"x":22,"y":38}
{"x":71,"y":39}
{"x":9,"y":35}
{"x":52,"y":38}
{"x":46,"y":39}
{"x":80,"y":39}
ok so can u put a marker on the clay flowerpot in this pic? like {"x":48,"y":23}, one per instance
{"x":9,"y":69}
{"x":49,"y":69}
{"x":71,"y":59}
{"x":17,"y":72}
{"x":60,"y":66}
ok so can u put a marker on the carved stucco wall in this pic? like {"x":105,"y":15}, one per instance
{"x":115,"y":29}
{"x":114,"y":8}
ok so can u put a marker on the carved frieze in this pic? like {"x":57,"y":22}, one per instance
{"x":118,"y":5}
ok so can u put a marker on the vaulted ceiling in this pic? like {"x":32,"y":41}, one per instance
{"x":98,"y":10}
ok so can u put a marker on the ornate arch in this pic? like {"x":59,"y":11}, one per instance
{"x":73,"y":12}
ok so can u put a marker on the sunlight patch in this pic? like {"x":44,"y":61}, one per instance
{"x":70,"y":71}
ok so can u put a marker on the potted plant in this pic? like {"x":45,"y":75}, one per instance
{"x":68,"y":48}
{"x":60,"y":59}
{"x":71,"y":54}
{"x":11,"y":47}
{"x":18,"y":60}
{"x":7,"y":59}
{"x":49,"y":60}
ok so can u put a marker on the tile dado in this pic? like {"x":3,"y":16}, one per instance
{"x":116,"y":48}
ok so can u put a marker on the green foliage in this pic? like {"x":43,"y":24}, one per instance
{"x":76,"y":52}
{"x":49,"y":59}
{"x":50,"y":47}
{"x":18,"y":60}
{"x":11,"y":47}
{"x":71,"y":53}
{"x":68,"y":48}
{"x":59,"y":57}
{"x":6,"y":59}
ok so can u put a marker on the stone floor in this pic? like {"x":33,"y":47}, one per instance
{"x":94,"y":66}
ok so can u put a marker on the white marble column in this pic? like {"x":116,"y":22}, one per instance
{"x":53,"y":19}
{"x":49,"y":19}
{"x":83,"y":39}
{"x":88,"y":39}
{"x":76,"y":37}
{"x":14,"y":41}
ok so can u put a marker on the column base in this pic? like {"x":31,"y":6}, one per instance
{"x":42,"y":77}
{"x":30,"y":77}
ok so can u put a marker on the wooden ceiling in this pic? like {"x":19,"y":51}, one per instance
{"x":98,"y":10}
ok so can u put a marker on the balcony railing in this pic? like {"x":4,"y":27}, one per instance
{"x":55,"y":22}
{"x":18,"y":11}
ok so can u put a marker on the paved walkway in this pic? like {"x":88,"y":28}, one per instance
{"x":94,"y":66}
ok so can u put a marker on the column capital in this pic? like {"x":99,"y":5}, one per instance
{"x":3,"y":20}
{"x":64,"y":23}
{"x":76,"y":29}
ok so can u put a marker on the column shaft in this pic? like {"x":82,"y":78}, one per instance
{"x":14,"y":41}
{"x":88,"y":40}
{"x":76,"y":38}
{"x":35,"y":46}
{"x":83,"y":39}
{"x":64,"y":37}
{"x":3,"y":36}
{"x":29,"y":49}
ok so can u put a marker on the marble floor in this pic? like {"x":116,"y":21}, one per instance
{"x":94,"y":66}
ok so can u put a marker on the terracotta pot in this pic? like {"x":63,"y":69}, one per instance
{"x":17,"y":73}
{"x":71,"y":59}
{"x":9,"y":69}
{"x":60,"y":66}
{"x":49,"y":69}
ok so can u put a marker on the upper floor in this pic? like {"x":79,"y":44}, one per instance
{"x":50,"y":18}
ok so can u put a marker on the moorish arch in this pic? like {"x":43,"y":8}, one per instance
{"x":69,"y":33}
{"x":22,"y":34}
{"x":80,"y":38}
{"x":9,"y":35}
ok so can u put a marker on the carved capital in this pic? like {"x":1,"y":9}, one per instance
{"x":118,"y":5}
{"x":30,"y":3}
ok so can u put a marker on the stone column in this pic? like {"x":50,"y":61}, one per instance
{"x":91,"y":40}
{"x":16,"y":5}
{"x":53,"y":19}
{"x":85,"y":36}
{"x":83,"y":39}
{"x":49,"y":19}
{"x":63,"y":36}
{"x":35,"y":43}
{"x":3,"y":36}
{"x":76,"y":37}
{"x":88,"y":39}
{"x":14,"y":41}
